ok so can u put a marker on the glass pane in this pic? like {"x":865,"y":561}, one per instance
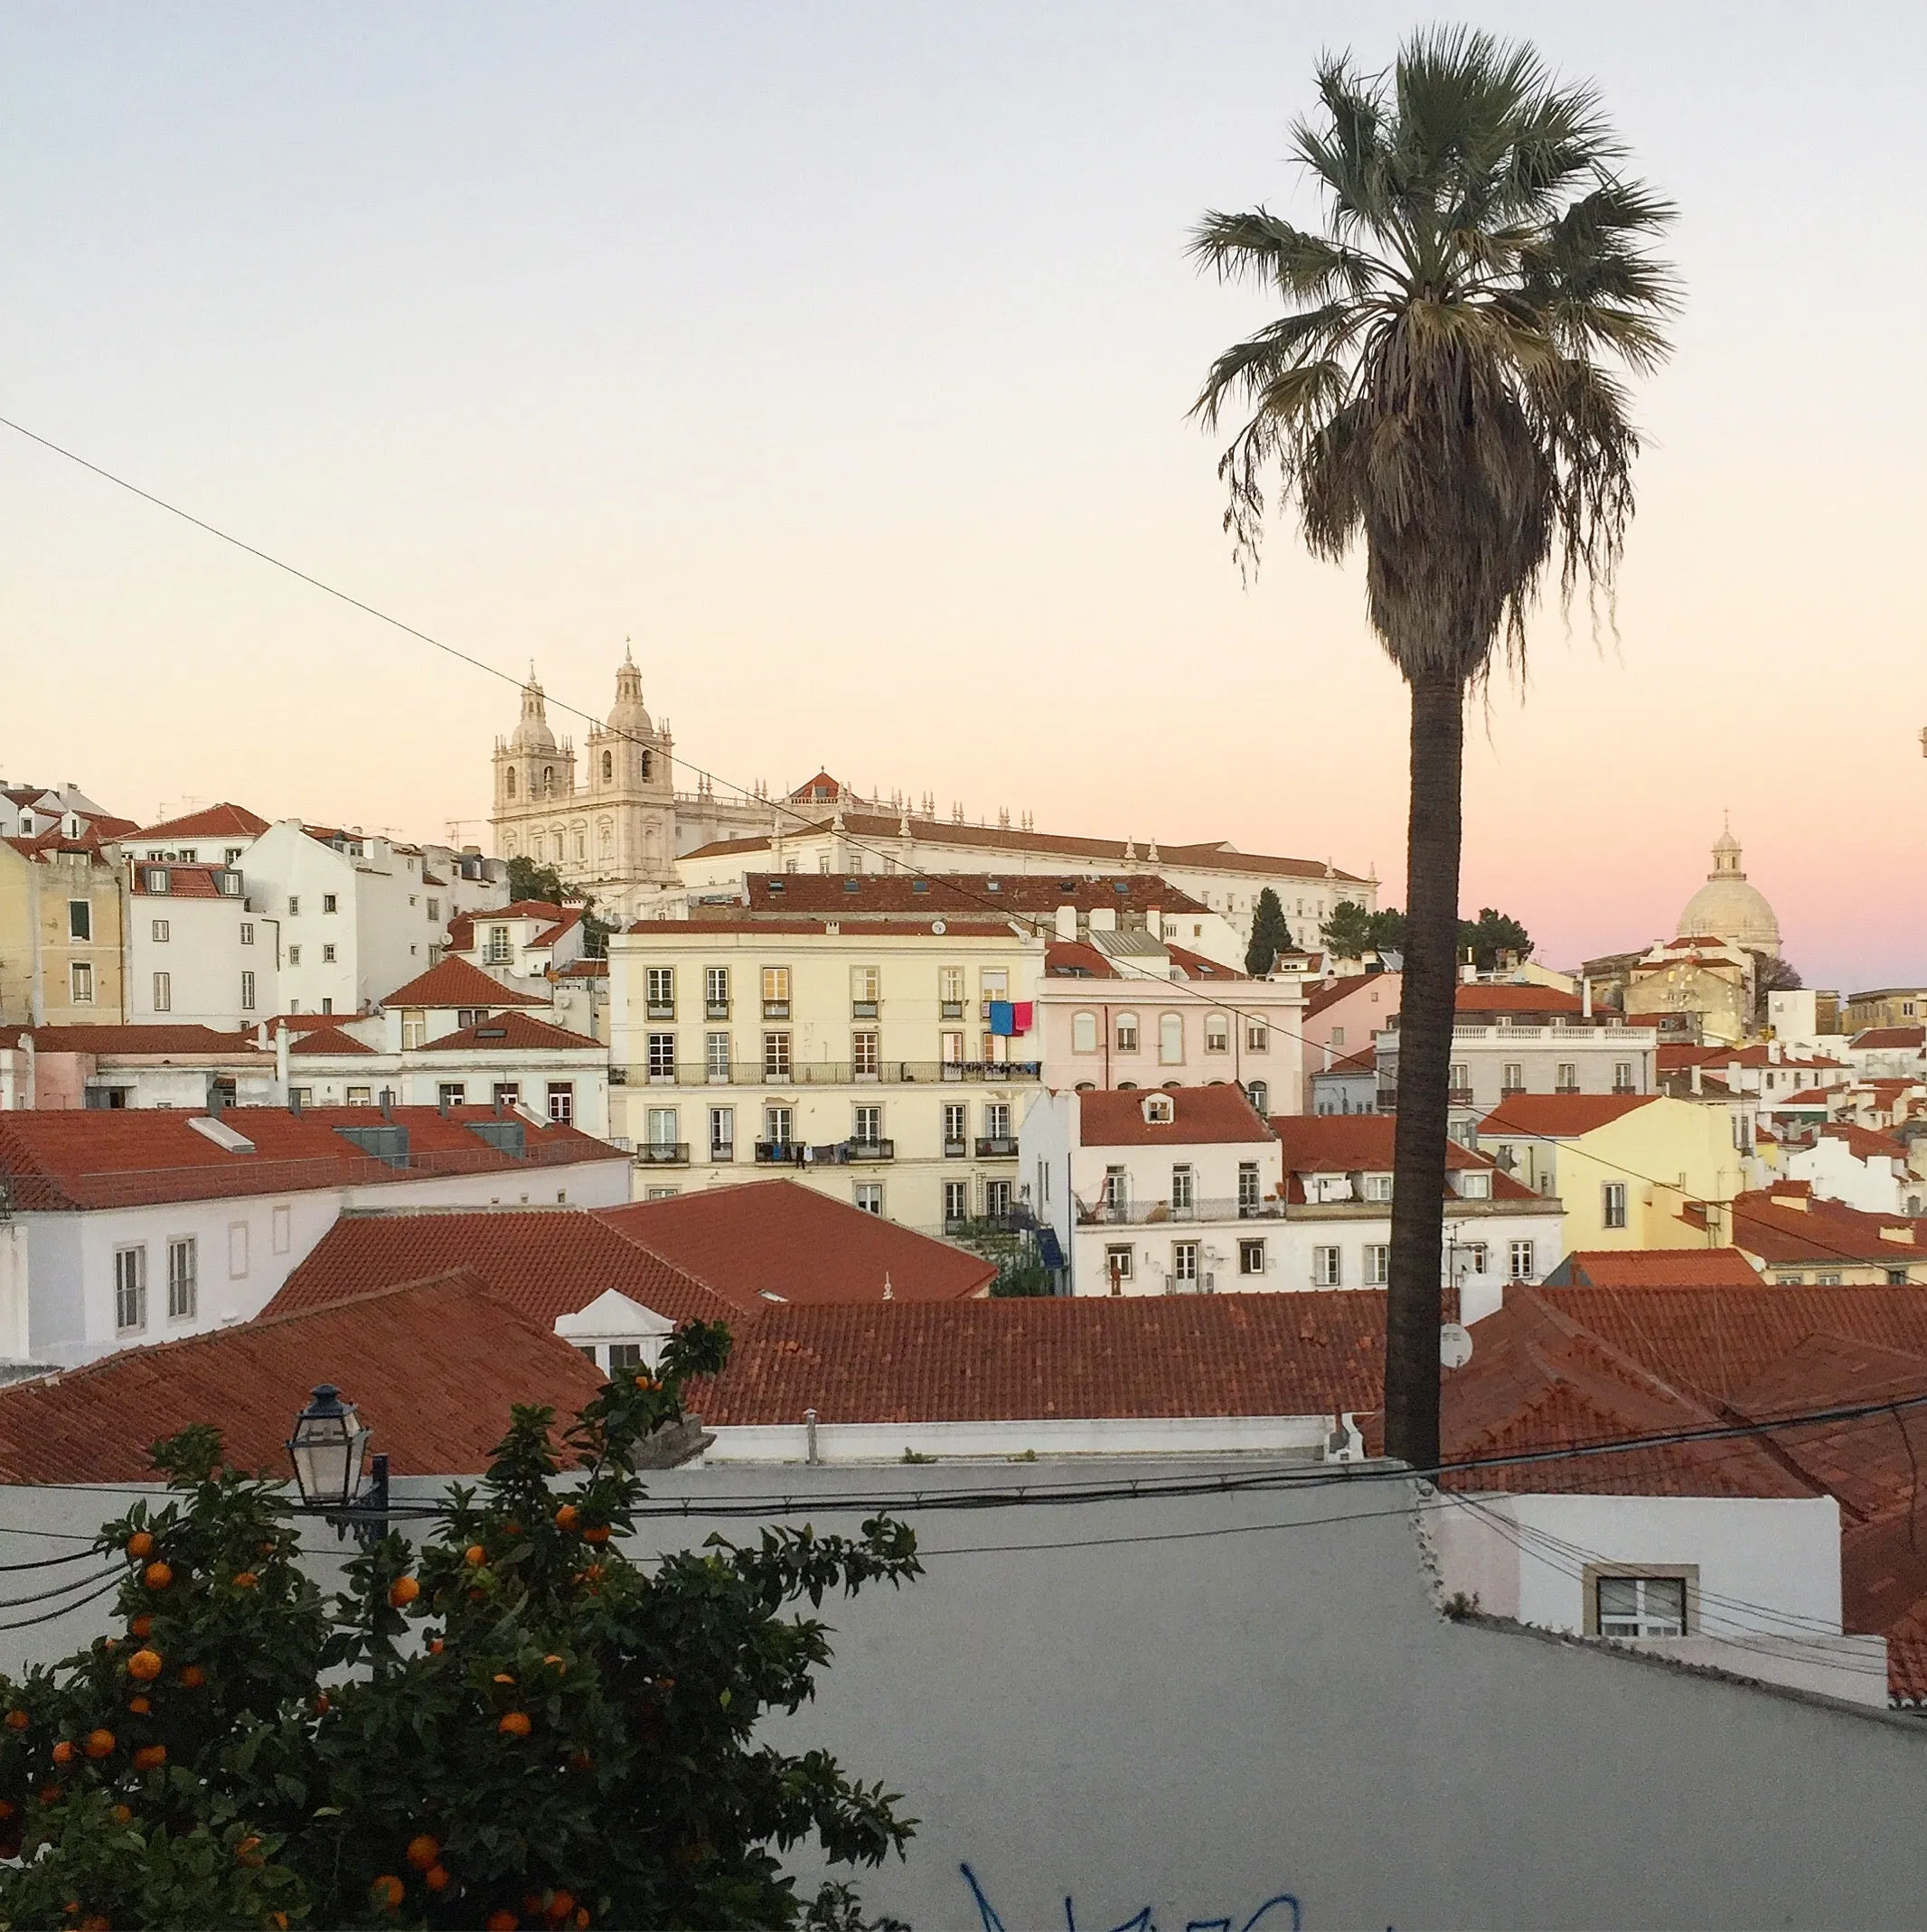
{"x":1618,"y":1597}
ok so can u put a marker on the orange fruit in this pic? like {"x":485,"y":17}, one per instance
{"x":424,"y":1851}
{"x":193,"y":1676}
{"x":139,"y":1706}
{"x":63,"y":1752}
{"x":435,"y":1646}
{"x":502,"y":1920}
{"x":474,"y":1556}
{"x":646,"y":1382}
{"x":145,"y":1665}
{"x":567,"y":1516}
{"x":388,"y":1892}
{"x":123,"y":1814}
{"x":515,"y":1724}
{"x":17,"y":1721}
{"x":582,"y":1914}
{"x":248,"y":1850}
{"x":140,"y":1544}
{"x":405,"y":1591}
{"x":435,"y":1878}
{"x":600,"y":1533}
{"x":141,"y":1625}
{"x":100,"y":1744}
{"x":246,"y":1579}
{"x":158,"y":1575}
{"x":502,"y":1677}
{"x":150,"y":1757}
{"x":51,"y":1793}
{"x":561,"y":1903}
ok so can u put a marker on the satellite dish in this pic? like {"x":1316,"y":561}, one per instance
{"x":1455,"y":1344}
{"x":937,"y":925}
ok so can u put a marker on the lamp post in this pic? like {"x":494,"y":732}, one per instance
{"x":328,"y":1448}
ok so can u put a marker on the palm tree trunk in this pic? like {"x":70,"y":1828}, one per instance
{"x":1426,"y":1000}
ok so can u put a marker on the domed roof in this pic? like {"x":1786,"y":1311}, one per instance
{"x":531,"y":730}
{"x":629,"y":717}
{"x":1728,"y":907}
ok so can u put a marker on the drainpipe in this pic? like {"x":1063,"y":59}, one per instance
{"x":809,"y":1437}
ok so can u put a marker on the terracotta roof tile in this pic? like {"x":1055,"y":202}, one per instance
{"x":213,"y":821}
{"x":1559,"y":1115}
{"x":453,"y":982}
{"x":1200,"y":1116}
{"x":326,"y":1040}
{"x":1889,"y":1038}
{"x":183,"y":882}
{"x":505,"y":1031}
{"x":161,"y":1038}
{"x":1649,"y":1268}
{"x":1033,"y":894}
{"x":1351,"y":1143}
{"x":1067,"y":959}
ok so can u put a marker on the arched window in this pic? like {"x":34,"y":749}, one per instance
{"x":1084,"y":1032}
{"x":1086,"y":1086}
{"x":581,"y":842}
{"x":1127,"y":1086}
{"x":555,"y":841}
{"x":547,"y":778}
{"x":1170,"y":1040}
{"x":648,"y":762}
{"x":1260,"y":1096}
{"x":608,"y":766}
{"x":508,"y":847}
{"x":607,"y":840}
{"x":509,"y":787}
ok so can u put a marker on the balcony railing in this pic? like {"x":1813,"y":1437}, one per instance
{"x":759,"y":1073}
{"x":1144,"y":1213}
{"x":996,"y":1146}
{"x":863,"y":1009}
{"x":1459,"y":1096}
{"x":776,"y":1009}
{"x":955,"y":1148}
{"x":716,"y":1010}
{"x":780,"y":1153}
{"x":661,"y":1010}
{"x":869,"y":1151}
{"x":951,"y":1008}
{"x":722,"y":1150}
{"x":662,"y":1154}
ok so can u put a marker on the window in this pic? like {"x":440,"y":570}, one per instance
{"x":1520,"y":1263}
{"x":160,"y":930}
{"x":365,"y":1096}
{"x":1084,"y":1032}
{"x":1117,"y":1264}
{"x":722,"y":1133}
{"x":996,"y":1198}
{"x":294,"y":955}
{"x":950,"y":992}
{"x":562,"y":1102}
{"x":497,"y":952}
{"x":716,"y":993}
{"x":1184,"y":1263}
{"x":465,"y":1016}
{"x":1622,"y":1076}
{"x":1475,"y":1187}
{"x":1247,"y":1187}
{"x":451,"y":1093}
{"x":1512,"y":1077}
{"x":1569,"y":1079}
{"x":1218,"y":1034}
{"x":1260,"y":1094}
{"x":1377,"y":1263}
{"x":1170,"y":1040}
{"x":1183,"y":1186}
{"x":997,"y":1119}
{"x":237,"y":1252}
{"x":1827,"y":1281}
{"x":1896,"y":1278}
{"x":1612,"y":1203}
{"x":608,"y":766}
{"x":247,"y":932}
{"x":776,"y":992}
{"x":1338,"y":1036}
{"x":164,"y":992}
{"x":1460,"y":1078}
{"x":662,"y":1127}
{"x":294,"y":905}
{"x":1470,"y":1257}
{"x":157,"y":879}
{"x":716,"y":1057}
{"x":1251,"y":1257}
{"x":299,"y":1097}
{"x":1377,"y":1186}
{"x":956,"y":1201}
{"x":1257,"y":1036}
{"x":581,"y":842}
{"x":434,"y":909}
{"x":994,"y":982}
{"x":776,"y":1056}
{"x":868,"y":1196}
{"x":1127,"y":1033}
{"x":661,"y":988}
{"x":80,"y":983}
{"x":247,"y":992}
{"x":867,"y":1125}
{"x":130,"y":1289}
{"x":328,"y":955}
{"x":509,"y":786}
{"x":864,"y":1053}
{"x":1115,"y":1187}
{"x":328,"y":902}
{"x":661,"y":1056}
{"x":80,"y":919}
{"x":1634,"y":1606}
{"x":1326,"y":1272}
{"x":865,"y":991}
{"x":956,"y":1128}
{"x":777,"y":1125}
{"x":181,"y":1274}
{"x":414,"y":1030}
{"x":282,"y":1230}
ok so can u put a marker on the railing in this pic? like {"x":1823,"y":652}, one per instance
{"x":776,"y":1009}
{"x":661,"y":1010}
{"x":722,"y":1150}
{"x":716,"y":1010}
{"x":780,"y":1153}
{"x":996,"y":1146}
{"x":869,"y":1151}
{"x":956,"y":1150}
{"x":662,"y":1154}
{"x":863,"y":1009}
{"x":1459,"y":1096}
{"x":758,"y":1073}
{"x":1142,"y":1214}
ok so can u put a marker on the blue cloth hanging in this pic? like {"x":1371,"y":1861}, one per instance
{"x":1003,"y":1018}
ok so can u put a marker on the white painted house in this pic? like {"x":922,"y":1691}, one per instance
{"x":195,"y":951}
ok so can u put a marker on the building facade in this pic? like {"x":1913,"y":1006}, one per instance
{"x":196,"y":953}
{"x":61,"y":933}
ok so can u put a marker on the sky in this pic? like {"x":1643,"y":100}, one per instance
{"x":840,"y":358}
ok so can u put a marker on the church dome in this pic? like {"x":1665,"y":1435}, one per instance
{"x":1728,"y":907}
{"x":629,"y":717}
{"x":531,"y":730}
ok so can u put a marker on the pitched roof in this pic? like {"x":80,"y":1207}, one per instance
{"x":1821,"y":1233}
{"x":1195,"y":966}
{"x":1655,"y":1268}
{"x":212,"y":821}
{"x":1066,"y":1357}
{"x":183,"y":882}
{"x":1502,"y":997}
{"x":1675,"y":1054}
{"x":326,"y":1040}
{"x":1557,"y":1116}
{"x":761,"y":1242}
{"x":503,"y":1032}
{"x":1033,"y":894}
{"x":1890,"y":1037}
{"x":453,"y":982}
{"x":1067,"y":959}
{"x":161,"y":1038}
{"x":433,"y":1367}
{"x":1344,"y":987}
{"x":1863,"y":1144}
{"x":735,"y":919}
{"x":544,"y":1261}
{"x":1200,"y":1116}
{"x":81,"y":1159}
{"x":1351,"y":1143}
{"x":541,"y":909}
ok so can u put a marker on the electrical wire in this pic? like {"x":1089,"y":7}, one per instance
{"x":1002,"y":913}
{"x":27,"y":1623}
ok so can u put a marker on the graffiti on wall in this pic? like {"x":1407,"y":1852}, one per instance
{"x":1279,"y":1913}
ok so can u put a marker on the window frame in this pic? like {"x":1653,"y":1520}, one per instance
{"x":1328,"y":1265}
{"x":184,"y":1273}
{"x":1685,"y":1574}
{"x":130,"y":1288}
{"x":1612,"y":1204}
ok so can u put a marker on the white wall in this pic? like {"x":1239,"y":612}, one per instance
{"x":1873,"y":1186}
{"x":202,"y":957}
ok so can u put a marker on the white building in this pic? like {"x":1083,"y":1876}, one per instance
{"x":150,"y":1064}
{"x":141,"y":1225}
{"x":1869,"y":1170}
{"x":196,"y":953}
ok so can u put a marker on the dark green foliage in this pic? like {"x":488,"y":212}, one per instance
{"x":1270,"y":936}
{"x":630,"y":1787}
{"x":1351,"y":931}
{"x":529,"y":880}
{"x":1490,"y":936}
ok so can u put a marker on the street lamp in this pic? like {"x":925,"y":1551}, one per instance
{"x":327,"y":1448}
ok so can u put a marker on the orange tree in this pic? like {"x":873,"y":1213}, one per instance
{"x":520,"y":1726}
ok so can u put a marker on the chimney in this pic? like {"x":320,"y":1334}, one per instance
{"x":1585,"y":999}
{"x":1715,"y":1222}
{"x":1697,"y":1089}
{"x":1772,"y":1051}
{"x":1067,"y":921}
{"x":281,"y":1055}
{"x":1733,"y":1074}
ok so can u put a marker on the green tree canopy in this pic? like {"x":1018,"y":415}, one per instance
{"x":529,"y":880}
{"x":1490,"y":936}
{"x":1270,"y":936}
{"x":1351,"y":931}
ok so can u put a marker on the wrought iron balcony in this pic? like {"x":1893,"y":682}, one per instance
{"x":996,"y":1146}
{"x":955,"y":1148}
{"x":716,"y":1010}
{"x":869,"y":1151}
{"x":662,"y":1154}
{"x":1144,"y":1214}
{"x":780,"y":1153}
{"x":759,"y":1071}
{"x":661,"y":1010}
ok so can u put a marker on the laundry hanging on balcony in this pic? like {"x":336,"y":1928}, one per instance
{"x":1007,"y":1018}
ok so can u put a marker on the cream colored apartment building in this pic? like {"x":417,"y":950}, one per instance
{"x":62,"y":914}
{"x":888,"y":1062}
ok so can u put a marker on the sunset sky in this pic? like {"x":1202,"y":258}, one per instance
{"x":840,"y":356}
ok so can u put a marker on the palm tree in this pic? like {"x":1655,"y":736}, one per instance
{"x":1446,"y":387}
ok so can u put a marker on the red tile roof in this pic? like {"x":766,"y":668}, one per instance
{"x":183,"y":882}
{"x":1820,"y":1234}
{"x":1889,"y":1038}
{"x":584,"y":969}
{"x":213,"y":821}
{"x":326,"y":1040}
{"x":453,"y":982}
{"x":1351,"y":1143}
{"x":1079,"y":1358}
{"x":541,"y":909}
{"x":80,"y":1158}
{"x":507,"y":1032}
{"x":165,"y":1039}
{"x":1557,"y":1116}
{"x":728,"y":919}
{"x":545,"y":1262}
{"x":1201,"y":1116}
{"x":1075,"y":960}
{"x":1675,"y":1055}
{"x":1507,"y":998}
{"x":1656,"y":1268}
{"x":1344,"y":987}
{"x":859,"y":893}
{"x":1863,"y":1144}
{"x":778,"y":1239}
{"x":433,"y":1368}
{"x":1195,"y":966}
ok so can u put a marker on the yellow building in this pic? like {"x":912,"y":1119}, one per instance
{"x":1625,"y":1166}
{"x":1886,"y":1006}
{"x":61,"y":923}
